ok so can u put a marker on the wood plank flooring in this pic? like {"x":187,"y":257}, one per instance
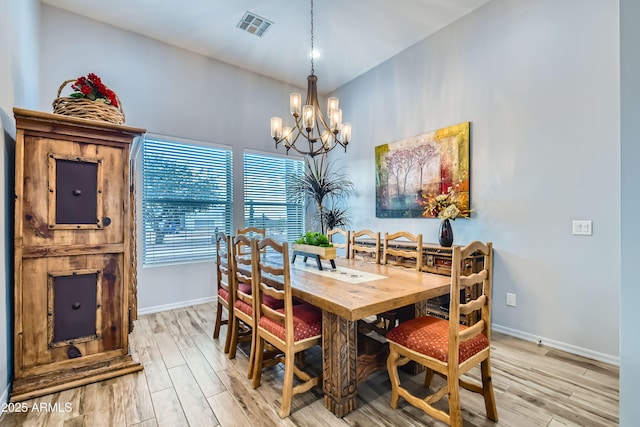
{"x":188,"y":381}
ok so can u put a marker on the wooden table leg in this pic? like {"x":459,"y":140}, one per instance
{"x":339,"y":358}
{"x":421,"y":308}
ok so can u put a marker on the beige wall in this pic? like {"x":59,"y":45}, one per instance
{"x":539,"y":81}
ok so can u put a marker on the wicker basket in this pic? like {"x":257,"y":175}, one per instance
{"x":87,"y":109}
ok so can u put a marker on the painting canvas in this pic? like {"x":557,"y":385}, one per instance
{"x":413,"y":171}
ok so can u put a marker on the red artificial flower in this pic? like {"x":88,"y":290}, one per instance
{"x":91,"y":87}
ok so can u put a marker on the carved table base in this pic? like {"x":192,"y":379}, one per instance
{"x":339,"y":358}
{"x":342,"y":368}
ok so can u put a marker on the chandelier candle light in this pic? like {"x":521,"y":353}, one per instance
{"x":309,"y":121}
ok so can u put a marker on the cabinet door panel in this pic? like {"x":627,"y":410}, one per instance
{"x":77,"y":195}
{"x":52,"y":166}
{"x":73,"y":298}
{"x":74,"y":301}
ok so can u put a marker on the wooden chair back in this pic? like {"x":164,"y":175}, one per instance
{"x":448,"y":348}
{"x":242,"y":269}
{"x":273,"y":279}
{"x":223,"y":262}
{"x":243,"y":301}
{"x":405,"y":245}
{"x":482,"y":302}
{"x":347,"y":240}
{"x":250,"y":232}
{"x":277,"y":326}
{"x":370,"y":250}
{"x":224,"y":277}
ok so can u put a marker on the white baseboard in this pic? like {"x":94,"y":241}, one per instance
{"x":602,"y":357}
{"x":4,"y":398}
{"x":173,"y":306}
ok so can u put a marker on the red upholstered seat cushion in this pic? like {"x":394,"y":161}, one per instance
{"x":272,"y":302}
{"x":244,"y":288}
{"x":268,"y":300}
{"x":223,"y":294}
{"x":307,"y":323}
{"x":430,"y":336}
{"x":244,"y":307}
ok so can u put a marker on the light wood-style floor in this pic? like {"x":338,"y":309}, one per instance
{"x":188,"y":381}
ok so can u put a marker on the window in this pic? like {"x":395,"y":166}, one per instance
{"x":186,"y":195}
{"x":267,"y":202}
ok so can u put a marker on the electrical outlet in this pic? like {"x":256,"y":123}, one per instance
{"x":582,"y":228}
{"x":511,"y":299}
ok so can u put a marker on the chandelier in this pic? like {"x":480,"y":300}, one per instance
{"x":310,"y":124}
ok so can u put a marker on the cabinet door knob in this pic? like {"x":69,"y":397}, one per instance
{"x":73,"y":352}
{"x":76,"y":305}
{"x":77,"y":192}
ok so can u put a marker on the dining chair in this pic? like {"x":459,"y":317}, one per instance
{"x":403,"y":245}
{"x":291,"y":329}
{"x":224,"y":278}
{"x":347,"y":240}
{"x":359,"y":249}
{"x":250,"y":232}
{"x":448,"y":348}
{"x":243,"y":320}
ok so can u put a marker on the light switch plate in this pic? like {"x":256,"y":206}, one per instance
{"x":582,"y":227}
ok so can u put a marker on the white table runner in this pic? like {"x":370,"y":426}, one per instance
{"x":342,"y":274}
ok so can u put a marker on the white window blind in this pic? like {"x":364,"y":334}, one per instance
{"x":186,"y":196}
{"x":268,"y":203}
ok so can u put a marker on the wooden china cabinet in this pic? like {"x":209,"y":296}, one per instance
{"x":74,"y":244}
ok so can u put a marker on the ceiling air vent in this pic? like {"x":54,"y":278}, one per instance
{"x":254,"y":24}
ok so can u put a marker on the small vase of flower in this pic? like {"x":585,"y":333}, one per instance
{"x":446,"y":207}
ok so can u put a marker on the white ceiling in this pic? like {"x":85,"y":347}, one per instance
{"x":352,"y":36}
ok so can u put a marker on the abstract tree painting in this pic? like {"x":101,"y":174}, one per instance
{"x":413,"y":171}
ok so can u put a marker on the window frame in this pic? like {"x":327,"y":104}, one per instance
{"x":203,"y":251}
{"x":300,"y":205}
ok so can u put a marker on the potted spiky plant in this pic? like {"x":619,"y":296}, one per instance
{"x":325,"y":187}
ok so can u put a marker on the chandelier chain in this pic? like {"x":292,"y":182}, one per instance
{"x":312,"y":53}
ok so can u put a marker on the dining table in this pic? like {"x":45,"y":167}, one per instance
{"x":352,"y":291}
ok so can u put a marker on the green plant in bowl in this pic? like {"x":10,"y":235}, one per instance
{"x":314,"y":238}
